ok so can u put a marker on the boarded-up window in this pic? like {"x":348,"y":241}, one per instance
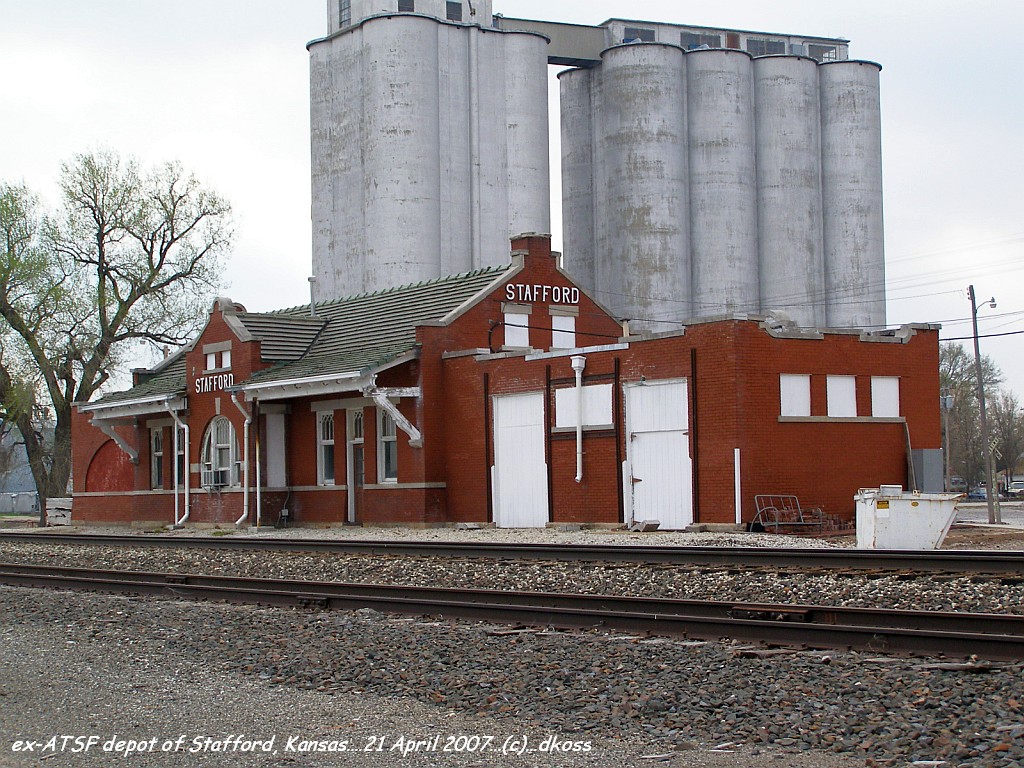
{"x":517,"y":332}
{"x":563,"y":332}
{"x":795,"y":394}
{"x":885,"y":396}
{"x":842,"y":396}
{"x":597,"y":406}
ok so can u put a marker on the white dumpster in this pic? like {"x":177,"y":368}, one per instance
{"x":891,"y":518}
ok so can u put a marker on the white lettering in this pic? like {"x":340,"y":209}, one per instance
{"x":556,"y":294}
{"x":214,"y":383}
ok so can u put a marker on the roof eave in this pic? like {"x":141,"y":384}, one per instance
{"x":324,"y":384}
{"x":124,"y":409}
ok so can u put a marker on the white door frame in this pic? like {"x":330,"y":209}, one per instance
{"x":526,"y":461}
{"x":628,"y":475}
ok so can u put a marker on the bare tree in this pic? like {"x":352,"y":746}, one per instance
{"x":131,"y":257}
{"x":1007,"y":432}
{"x":957,"y":378}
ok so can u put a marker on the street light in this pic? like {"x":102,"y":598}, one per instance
{"x":994,"y":513}
{"x":946,"y":404}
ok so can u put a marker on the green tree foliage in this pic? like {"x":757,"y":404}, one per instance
{"x":130,"y":257}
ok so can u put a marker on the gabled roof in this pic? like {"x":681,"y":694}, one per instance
{"x":351,"y":335}
{"x":282,"y":338}
{"x":371,"y":329}
{"x":168,"y":379}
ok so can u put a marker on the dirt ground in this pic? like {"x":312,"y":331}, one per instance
{"x":963,"y":536}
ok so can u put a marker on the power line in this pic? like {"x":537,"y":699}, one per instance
{"x":983,"y":336}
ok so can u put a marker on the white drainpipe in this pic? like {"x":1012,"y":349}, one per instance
{"x":245,"y":459}
{"x":578,"y":364}
{"x":188,"y":506}
{"x":259,"y":481}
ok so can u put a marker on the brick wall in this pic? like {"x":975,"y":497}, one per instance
{"x":732,"y":371}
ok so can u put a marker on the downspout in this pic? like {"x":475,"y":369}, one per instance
{"x":259,"y":481}
{"x":578,"y":364}
{"x":174,"y":469}
{"x":245,"y":459}
{"x":188,"y":507}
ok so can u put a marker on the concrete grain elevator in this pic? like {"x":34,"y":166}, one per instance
{"x":705,"y":172}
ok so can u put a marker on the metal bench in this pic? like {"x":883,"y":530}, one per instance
{"x":778,"y":511}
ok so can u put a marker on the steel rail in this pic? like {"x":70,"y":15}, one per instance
{"x":998,"y":636}
{"x":949,"y":561}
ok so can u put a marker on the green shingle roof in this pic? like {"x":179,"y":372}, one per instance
{"x":347,"y":335}
{"x":361,"y":332}
{"x":169,"y":380}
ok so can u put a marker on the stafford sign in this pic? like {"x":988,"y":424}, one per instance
{"x":214,"y":383}
{"x":522,"y":293}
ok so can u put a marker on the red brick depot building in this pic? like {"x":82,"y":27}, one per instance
{"x":505,"y":395}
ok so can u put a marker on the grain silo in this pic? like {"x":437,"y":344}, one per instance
{"x":641,"y":216}
{"x":851,"y":169}
{"x":723,"y":202}
{"x":429,"y":148}
{"x":773,"y":200}
{"x":704,"y":171}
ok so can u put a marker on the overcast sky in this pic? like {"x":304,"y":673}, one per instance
{"x":222,"y":86}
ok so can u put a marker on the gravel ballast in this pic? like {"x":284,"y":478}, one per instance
{"x":856,"y":588}
{"x":157,"y":668}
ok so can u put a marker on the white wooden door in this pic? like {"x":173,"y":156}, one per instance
{"x":520,"y":473}
{"x":660,"y":478}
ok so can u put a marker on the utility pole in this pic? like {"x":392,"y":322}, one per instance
{"x":994,"y":514}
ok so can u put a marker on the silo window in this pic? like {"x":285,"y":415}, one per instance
{"x":406,"y":6}
{"x":691,"y":40}
{"x":637,"y":34}
{"x":454,"y":11}
{"x":344,"y":13}
{"x":760,"y":47}
{"x":823,"y":52}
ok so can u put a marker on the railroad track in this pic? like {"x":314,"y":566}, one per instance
{"x":995,"y":636}
{"x":947,"y":561}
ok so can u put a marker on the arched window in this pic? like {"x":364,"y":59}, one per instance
{"x":325,"y":449}
{"x":387,"y":449}
{"x":220,"y":454}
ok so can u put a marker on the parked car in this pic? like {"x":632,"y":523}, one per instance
{"x":1015,"y":490}
{"x":978,"y":494}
